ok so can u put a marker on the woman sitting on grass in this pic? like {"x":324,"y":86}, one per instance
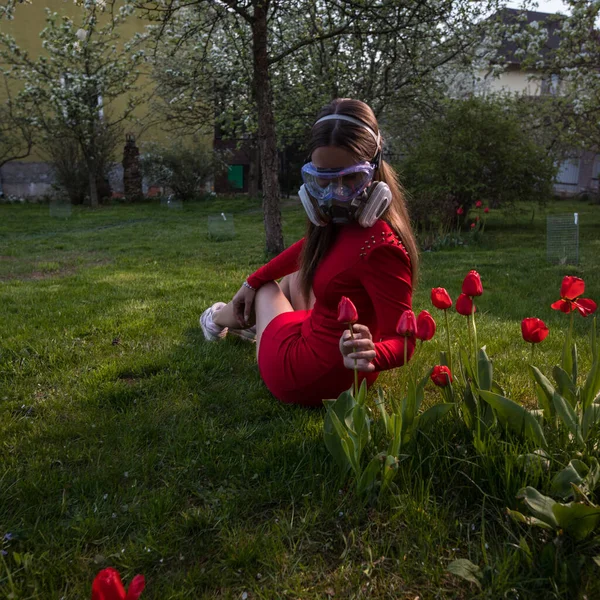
{"x":359,"y":244}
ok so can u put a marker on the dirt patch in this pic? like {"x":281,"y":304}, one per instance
{"x":63,"y":271}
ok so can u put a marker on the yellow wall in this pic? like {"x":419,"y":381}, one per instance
{"x":28,"y":23}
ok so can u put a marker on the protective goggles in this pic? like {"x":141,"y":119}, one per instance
{"x":325,"y":185}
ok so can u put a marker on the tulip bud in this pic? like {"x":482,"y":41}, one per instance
{"x":472,"y":284}
{"x":464,"y":305}
{"x":425,"y":326}
{"x":440,"y":298}
{"x":407,"y":324}
{"x":347,"y":311}
{"x":460,"y":210}
{"x":108,"y":586}
{"x":534,"y":330}
{"x":478,"y":204}
{"x":441,"y":375}
{"x":486,"y":210}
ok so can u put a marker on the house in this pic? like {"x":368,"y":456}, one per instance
{"x":500,"y":70}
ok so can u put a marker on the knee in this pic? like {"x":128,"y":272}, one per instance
{"x":268,"y":289}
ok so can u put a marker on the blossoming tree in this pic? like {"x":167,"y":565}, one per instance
{"x":70,"y":90}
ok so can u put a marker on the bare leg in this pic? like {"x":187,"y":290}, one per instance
{"x":289,"y":287}
{"x":225,"y":317}
{"x":270,"y":302}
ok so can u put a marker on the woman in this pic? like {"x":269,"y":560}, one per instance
{"x":358,"y":244}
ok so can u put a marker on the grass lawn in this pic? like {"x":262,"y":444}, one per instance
{"x":128,"y":441}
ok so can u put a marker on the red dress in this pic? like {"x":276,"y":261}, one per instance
{"x":299,"y":358}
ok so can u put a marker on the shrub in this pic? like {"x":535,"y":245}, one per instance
{"x":71,"y":173}
{"x":475,"y":150}
{"x":183,"y":169}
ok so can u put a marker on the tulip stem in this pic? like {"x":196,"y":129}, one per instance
{"x":448,"y":339}
{"x":406,"y":360}
{"x":355,"y":364}
{"x":474,"y":337}
{"x":532,"y":351}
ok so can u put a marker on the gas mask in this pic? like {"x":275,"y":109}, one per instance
{"x":344,"y":195}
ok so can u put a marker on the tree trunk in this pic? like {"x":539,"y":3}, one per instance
{"x":267,"y":141}
{"x":93,"y":185}
{"x":253,"y":171}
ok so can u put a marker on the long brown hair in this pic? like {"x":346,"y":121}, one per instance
{"x":360,"y":142}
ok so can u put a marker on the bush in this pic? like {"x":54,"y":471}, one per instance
{"x":475,"y":151}
{"x":185,"y":170}
{"x":71,"y":174}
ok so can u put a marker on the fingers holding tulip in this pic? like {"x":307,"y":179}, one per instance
{"x":358,"y":349}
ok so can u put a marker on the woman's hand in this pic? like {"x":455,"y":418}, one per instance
{"x":360,"y":348}
{"x":243,"y":305}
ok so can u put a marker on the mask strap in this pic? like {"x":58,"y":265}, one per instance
{"x":336,"y":117}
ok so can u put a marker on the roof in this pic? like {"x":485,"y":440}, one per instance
{"x":512,"y":16}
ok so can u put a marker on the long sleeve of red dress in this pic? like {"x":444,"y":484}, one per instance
{"x":387,"y":279}
{"x":283,"y":264}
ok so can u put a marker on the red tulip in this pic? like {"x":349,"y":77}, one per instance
{"x":441,"y":375}
{"x":464,"y":305}
{"x":107,"y":586}
{"x":472,"y":225}
{"x":440,"y":298}
{"x":460,"y":210}
{"x":486,"y":210}
{"x":478,"y":204}
{"x":425,"y":326}
{"x":407,"y":324}
{"x":347,"y":311}
{"x":472,"y":284}
{"x":572,"y":287}
{"x":570,"y":290}
{"x":534,"y":330}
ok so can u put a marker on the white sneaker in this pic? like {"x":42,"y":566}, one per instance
{"x":212,"y":332}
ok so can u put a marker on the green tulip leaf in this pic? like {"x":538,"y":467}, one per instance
{"x":368,"y":479}
{"x":577,"y":519}
{"x":361,"y":397}
{"x":420,"y":391}
{"x":409,"y":410}
{"x":432,"y":415}
{"x":544,"y":391}
{"x":534,"y":462}
{"x":567,"y":415}
{"x":521,"y":518}
{"x":515,"y":417}
{"x":567,"y":354}
{"x":390,"y":468}
{"x":469,"y":408}
{"x":346,"y":441}
{"x":574,"y":472}
{"x":362,"y":428}
{"x":591,"y":387}
{"x":497,"y":388}
{"x":541,"y":506}
{"x":396,"y":434}
{"x":464,"y":568}
{"x":466,"y":366}
{"x":565,"y":386}
{"x":380,"y":403}
{"x":485,"y":370}
{"x":333,"y":441}
{"x":591,"y":417}
{"x":444,"y":359}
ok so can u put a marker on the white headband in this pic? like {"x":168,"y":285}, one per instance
{"x":337,"y":117}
